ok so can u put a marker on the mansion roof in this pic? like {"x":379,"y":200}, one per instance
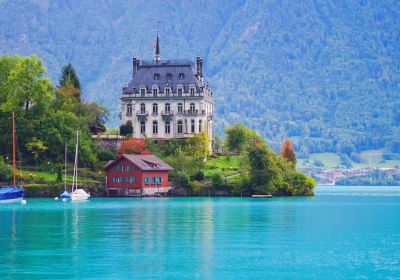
{"x":164,"y":73}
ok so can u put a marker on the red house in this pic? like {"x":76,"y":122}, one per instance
{"x":137,"y":175}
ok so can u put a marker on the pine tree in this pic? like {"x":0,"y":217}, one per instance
{"x":287,"y":152}
{"x":70,"y":78}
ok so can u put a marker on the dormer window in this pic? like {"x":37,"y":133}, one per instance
{"x":181,"y":76}
{"x":191,"y":91}
{"x":167,"y":91}
{"x":142,"y":92}
{"x":155,"y":91}
{"x":180,"y":90}
{"x":169,"y":76}
{"x":156,"y":77}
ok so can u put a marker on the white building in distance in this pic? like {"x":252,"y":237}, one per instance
{"x":167,"y":99}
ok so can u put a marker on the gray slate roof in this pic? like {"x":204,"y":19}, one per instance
{"x":144,"y":162}
{"x":147,"y":69}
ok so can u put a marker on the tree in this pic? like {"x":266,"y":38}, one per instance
{"x":287,"y":152}
{"x":69,"y":77}
{"x":133,"y":146}
{"x":237,"y":136}
{"x":36,"y":148}
{"x":217,"y":180}
{"x":181,"y":180}
{"x":126,"y":129}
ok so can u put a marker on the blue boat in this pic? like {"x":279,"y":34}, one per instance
{"x":65,"y":195}
{"x":12,"y":194}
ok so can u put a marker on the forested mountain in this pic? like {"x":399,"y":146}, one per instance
{"x":325,"y":73}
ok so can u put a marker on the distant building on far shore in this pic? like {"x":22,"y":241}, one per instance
{"x":167,"y":99}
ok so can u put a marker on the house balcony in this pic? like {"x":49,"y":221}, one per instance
{"x":142,"y":113}
{"x":167,"y":113}
{"x":194,"y":112}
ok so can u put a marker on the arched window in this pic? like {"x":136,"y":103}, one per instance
{"x":192,"y":126}
{"x":180,"y":108}
{"x":142,"y":127}
{"x":155,"y":108}
{"x":142,"y":108}
{"x":155,"y":127}
{"x":192,"y":107}
{"x":200,"y":125}
{"x":167,"y":127}
{"x":180,"y":127}
{"x":181,"y":76}
{"x":167,"y":108}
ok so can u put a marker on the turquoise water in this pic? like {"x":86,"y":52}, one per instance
{"x":341,"y":233}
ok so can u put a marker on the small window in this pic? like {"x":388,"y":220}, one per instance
{"x":128,"y":168}
{"x":181,"y":76}
{"x":142,"y":92}
{"x":167,"y":127}
{"x":113,"y":179}
{"x":192,"y":126}
{"x":126,"y":179}
{"x":155,"y":109}
{"x":119,"y":168}
{"x":143,"y":108}
{"x":142,"y":127}
{"x":167,"y":108}
{"x":180,"y":91}
{"x":180,"y":127}
{"x":121,"y":179}
{"x":146,"y":180}
{"x":167,"y":91}
{"x":155,"y":91}
{"x":191,"y":91}
{"x":169,"y":76}
{"x":192,"y":107}
{"x":156,"y":77}
{"x":160,"y":179}
{"x":155,"y":127}
{"x":200,"y":125}
{"x":180,"y":108}
{"x":129,"y":109}
{"x":133,"y":179}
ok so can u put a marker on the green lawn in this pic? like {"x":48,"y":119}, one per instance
{"x":371,"y":158}
{"x":52,"y":177}
{"x":227,"y":165}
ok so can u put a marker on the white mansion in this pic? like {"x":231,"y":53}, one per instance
{"x":167,"y":99}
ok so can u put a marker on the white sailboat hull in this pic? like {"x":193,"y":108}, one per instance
{"x":12,"y":200}
{"x":79,"y":195}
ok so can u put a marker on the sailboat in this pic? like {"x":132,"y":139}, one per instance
{"x":12,"y":194}
{"x":77,"y":194}
{"x":65,"y":195}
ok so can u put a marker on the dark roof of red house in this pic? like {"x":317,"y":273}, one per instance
{"x":144,"y":162}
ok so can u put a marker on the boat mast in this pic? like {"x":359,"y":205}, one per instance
{"x":65,"y":167}
{"x":76,"y":160}
{"x":13,"y":150}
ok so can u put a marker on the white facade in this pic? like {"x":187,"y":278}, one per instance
{"x":165,"y":109}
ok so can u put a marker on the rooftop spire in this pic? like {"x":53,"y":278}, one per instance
{"x":157,"y":56}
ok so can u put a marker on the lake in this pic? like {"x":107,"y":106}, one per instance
{"x":341,"y":233}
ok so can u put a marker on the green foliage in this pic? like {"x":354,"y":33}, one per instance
{"x":69,"y":77}
{"x":195,"y":187}
{"x":126,"y":129}
{"x":105,"y":155}
{"x":6,"y":172}
{"x":181,"y":180}
{"x":237,"y":136}
{"x":45,"y":117}
{"x":217,"y":181}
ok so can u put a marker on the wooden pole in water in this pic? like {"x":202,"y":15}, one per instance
{"x":13,"y":148}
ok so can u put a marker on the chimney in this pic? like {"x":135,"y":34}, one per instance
{"x":201,"y":67}
{"x":134,"y":66}
{"x":198,"y":66}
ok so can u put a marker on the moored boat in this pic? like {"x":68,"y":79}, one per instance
{"x":12,"y":194}
{"x":77,"y":194}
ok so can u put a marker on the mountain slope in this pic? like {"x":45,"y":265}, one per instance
{"x":325,"y":73}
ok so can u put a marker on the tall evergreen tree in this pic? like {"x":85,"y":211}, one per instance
{"x":70,"y":78}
